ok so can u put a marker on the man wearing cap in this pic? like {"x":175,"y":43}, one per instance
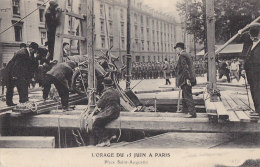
{"x":19,"y":72}
{"x":107,"y":109}
{"x":52,"y":15}
{"x":251,"y":49}
{"x":60,"y":75}
{"x":185,"y":79}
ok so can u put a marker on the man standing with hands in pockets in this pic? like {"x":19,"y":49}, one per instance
{"x":185,"y":79}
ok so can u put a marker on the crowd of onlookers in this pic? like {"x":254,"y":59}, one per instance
{"x":232,"y":68}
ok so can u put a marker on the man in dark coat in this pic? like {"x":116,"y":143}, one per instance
{"x":19,"y":72}
{"x":167,"y":71}
{"x":52,"y":15}
{"x":251,"y":49}
{"x":223,"y":70}
{"x":60,"y":75}
{"x":185,"y":79}
{"x":107,"y":109}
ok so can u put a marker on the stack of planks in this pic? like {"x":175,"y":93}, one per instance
{"x":47,"y":106}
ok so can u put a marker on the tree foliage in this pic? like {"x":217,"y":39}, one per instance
{"x":230,"y":16}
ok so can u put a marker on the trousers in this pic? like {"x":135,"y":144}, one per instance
{"x":63,"y":91}
{"x":22,"y":88}
{"x":188,"y":104}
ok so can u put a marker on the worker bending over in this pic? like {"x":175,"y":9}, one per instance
{"x":60,"y":75}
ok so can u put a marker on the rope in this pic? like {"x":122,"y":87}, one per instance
{"x":76,"y":137}
{"x":24,"y":17}
{"x":120,"y":130}
{"x":81,"y":138}
{"x":59,"y":133}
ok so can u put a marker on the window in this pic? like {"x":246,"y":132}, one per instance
{"x":142,"y":19}
{"x":136,"y":31}
{"x":43,"y":37}
{"x":111,"y":41}
{"x":69,"y":2}
{"x":142,"y":31}
{"x":158,"y":46}
{"x":135,"y":16}
{"x":142,"y":45}
{"x":136,"y":43}
{"x":149,"y":59}
{"x":123,"y":43}
{"x":101,"y":10}
{"x":148,"y":45}
{"x":110,"y":12}
{"x":16,"y":7}
{"x":137,"y":58}
{"x":41,"y":15}
{"x":154,"y":46}
{"x":110,"y":27}
{"x":148,"y":33}
{"x":153,"y":35}
{"x":102,"y":26}
{"x":18,"y":33}
{"x":122,"y":28}
{"x":158,"y":58}
{"x":121,"y":14}
{"x":103,"y":44}
{"x":147,"y":21}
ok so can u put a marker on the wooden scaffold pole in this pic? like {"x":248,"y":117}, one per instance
{"x":128,"y":56}
{"x":211,"y":49}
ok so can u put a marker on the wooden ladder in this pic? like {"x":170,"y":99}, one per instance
{"x":58,"y":47}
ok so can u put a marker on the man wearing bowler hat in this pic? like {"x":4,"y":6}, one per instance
{"x":185,"y":79}
{"x":19,"y":72}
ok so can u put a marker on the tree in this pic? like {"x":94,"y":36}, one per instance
{"x":230,"y":16}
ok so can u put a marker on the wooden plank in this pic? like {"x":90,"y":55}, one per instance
{"x":180,"y":140}
{"x":240,"y":104}
{"x":233,"y":117}
{"x":221,"y":110}
{"x":78,"y":16}
{"x":210,"y":107}
{"x":242,"y":116}
{"x":73,"y":37}
{"x":226,"y":104}
{"x":233,"y":105}
{"x":26,"y":142}
{"x":164,"y":124}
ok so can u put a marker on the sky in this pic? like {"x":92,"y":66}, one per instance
{"x":168,"y":6}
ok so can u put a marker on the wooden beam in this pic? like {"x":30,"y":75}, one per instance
{"x":221,"y":110}
{"x":139,"y":123}
{"x":58,"y":54}
{"x":211,"y":48}
{"x":77,"y":16}
{"x":242,"y":116}
{"x":73,"y":37}
{"x":26,"y":142}
{"x":233,"y":117}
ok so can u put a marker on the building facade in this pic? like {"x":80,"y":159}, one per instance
{"x":153,"y":34}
